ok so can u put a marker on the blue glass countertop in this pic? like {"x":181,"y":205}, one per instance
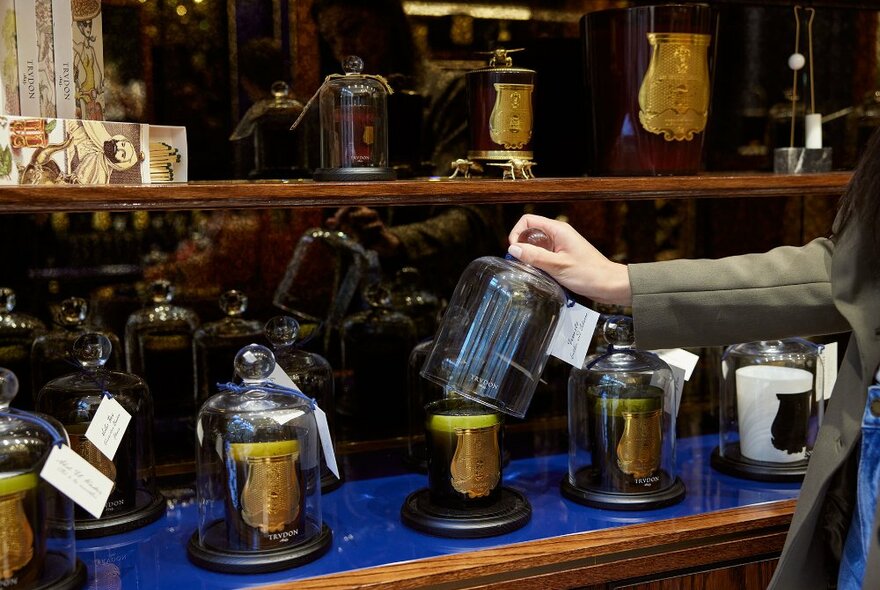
{"x":364,"y":516}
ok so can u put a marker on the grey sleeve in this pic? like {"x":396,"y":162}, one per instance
{"x":781,"y":293}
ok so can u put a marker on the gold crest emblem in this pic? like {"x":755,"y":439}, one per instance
{"x":638,"y":451}
{"x":674,"y":95}
{"x":510,"y":123}
{"x":270,"y":496}
{"x":16,"y":535}
{"x":476,"y":464}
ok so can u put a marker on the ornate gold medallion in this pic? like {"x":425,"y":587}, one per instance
{"x":476,"y":464}
{"x":16,"y":535}
{"x":674,"y":96}
{"x":270,"y":496}
{"x":510,"y":123}
{"x":638,"y":451}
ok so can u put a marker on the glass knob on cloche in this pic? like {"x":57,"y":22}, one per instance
{"x":771,"y":405}
{"x":258,"y":474}
{"x":310,"y":372}
{"x":17,"y":334}
{"x":622,"y":411}
{"x":159,"y":348}
{"x":217,"y":343}
{"x":51,"y":352}
{"x":354,"y":125}
{"x":74,"y":399}
{"x":495,"y":336}
{"x":36,"y":520}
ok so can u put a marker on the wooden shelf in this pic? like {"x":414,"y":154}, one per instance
{"x":306,"y":193}
{"x":586,"y":559}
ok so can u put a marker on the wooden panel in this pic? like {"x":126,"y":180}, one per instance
{"x":584,"y":559}
{"x":306,"y":193}
{"x":750,"y":576}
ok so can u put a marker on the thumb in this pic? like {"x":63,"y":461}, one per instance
{"x":530,"y":254}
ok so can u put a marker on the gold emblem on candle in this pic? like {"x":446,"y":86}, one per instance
{"x":85,"y":449}
{"x":16,"y":535}
{"x":476,"y":464}
{"x":638,"y":451}
{"x":674,"y":95}
{"x":510,"y":123}
{"x":270,"y":496}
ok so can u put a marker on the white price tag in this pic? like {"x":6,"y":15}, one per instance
{"x":77,"y":479}
{"x":574,"y":334}
{"x":682,"y":364}
{"x":829,"y":366}
{"x":108,"y":426}
{"x":281,"y":378}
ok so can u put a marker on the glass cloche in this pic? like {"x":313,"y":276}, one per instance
{"x":495,"y":336}
{"x":772,"y":402}
{"x":354,"y":126}
{"x":73,"y":400}
{"x":52,"y":352}
{"x":258,"y":475}
{"x":159,"y":348}
{"x":217,"y":343}
{"x":17,"y":334}
{"x":310,"y":372}
{"x":621,"y":427}
{"x":37,"y":545}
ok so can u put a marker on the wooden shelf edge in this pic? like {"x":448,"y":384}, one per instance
{"x":306,"y":193}
{"x":606,"y":548}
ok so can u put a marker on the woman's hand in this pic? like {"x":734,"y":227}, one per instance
{"x":574,"y":262}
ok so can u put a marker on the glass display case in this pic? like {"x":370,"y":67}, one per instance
{"x":37,"y":546}
{"x":770,"y":408}
{"x":258,"y":475}
{"x":621,"y":426}
{"x":17,"y":334}
{"x":74,"y":400}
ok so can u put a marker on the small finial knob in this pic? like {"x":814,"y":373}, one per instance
{"x":161,"y":291}
{"x":233,"y":303}
{"x":280,"y":89}
{"x":8,"y":387}
{"x":281,"y":331}
{"x":352,"y":65}
{"x":619,"y":332}
{"x":7,"y":299}
{"x":73,"y":311}
{"x":536,"y":237}
{"x":254,"y":363}
{"x":378,"y":296}
{"x":92,"y":350}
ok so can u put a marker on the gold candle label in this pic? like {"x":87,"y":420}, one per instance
{"x":270,"y":496}
{"x":510,"y":123}
{"x":16,"y":535}
{"x":674,"y":95}
{"x":476,"y":464}
{"x":638,"y":451}
{"x":85,"y":449}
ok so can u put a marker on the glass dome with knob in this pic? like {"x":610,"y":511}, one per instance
{"x":258,"y":475}
{"x":37,"y":545}
{"x":621,"y":427}
{"x":74,"y":400}
{"x":771,"y":405}
{"x":17,"y":334}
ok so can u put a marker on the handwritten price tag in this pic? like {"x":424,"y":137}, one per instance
{"x":574,"y":334}
{"x":108,"y":426}
{"x":77,"y":479}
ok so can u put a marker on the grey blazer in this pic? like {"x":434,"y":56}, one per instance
{"x":819,"y":288}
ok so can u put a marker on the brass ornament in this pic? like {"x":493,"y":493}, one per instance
{"x":510,"y":123}
{"x":16,"y":535}
{"x":674,"y":95}
{"x":638,"y":451}
{"x":270,"y":496}
{"x":476,"y":464}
